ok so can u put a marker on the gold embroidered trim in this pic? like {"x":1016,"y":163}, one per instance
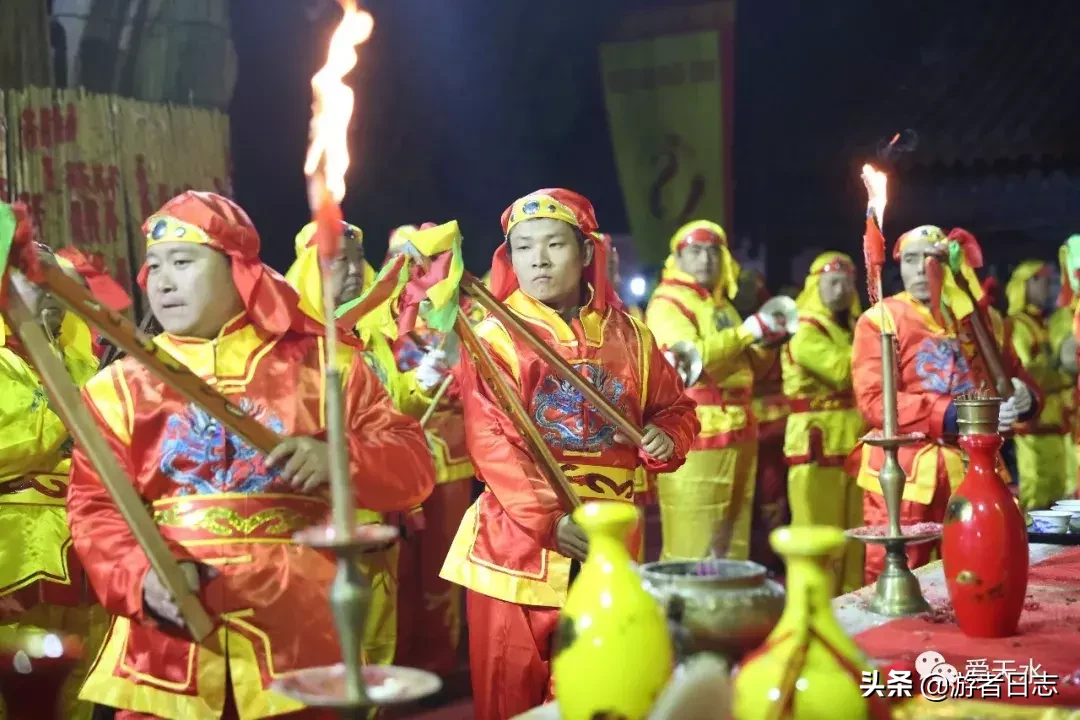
{"x":225,"y":522}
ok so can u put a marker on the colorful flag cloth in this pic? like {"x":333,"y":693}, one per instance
{"x":424,"y":279}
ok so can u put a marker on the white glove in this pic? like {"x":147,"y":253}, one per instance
{"x":763,"y":327}
{"x":431,"y":370}
{"x":1007,"y":415}
{"x":1022,"y":399}
{"x":753,"y":326}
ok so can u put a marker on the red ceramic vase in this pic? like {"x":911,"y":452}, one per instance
{"x":984,"y":546}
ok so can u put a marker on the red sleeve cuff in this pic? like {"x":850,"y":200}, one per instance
{"x":550,"y":541}
{"x":658,"y":466}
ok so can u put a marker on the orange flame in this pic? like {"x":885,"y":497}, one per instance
{"x":875,"y":182}
{"x":328,"y":151}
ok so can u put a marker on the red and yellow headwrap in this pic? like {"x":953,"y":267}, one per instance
{"x":708,"y":233}
{"x":961,"y":249}
{"x":809,"y":299}
{"x":1016,"y":288}
{"x":210,"y":219}
{"x":92,"y":269}
{"x":574,"y":210}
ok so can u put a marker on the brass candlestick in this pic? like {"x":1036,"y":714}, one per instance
{"x":897,"y":591}
{"x":350,"y":687}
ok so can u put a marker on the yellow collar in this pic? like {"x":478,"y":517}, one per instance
{"x":227,"y":361}
{"x":928,"y":317}
{"x":540,"y":315}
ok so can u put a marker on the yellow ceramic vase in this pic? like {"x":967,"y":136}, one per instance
{"x":613,"y":653}
{"x":808,"y":667}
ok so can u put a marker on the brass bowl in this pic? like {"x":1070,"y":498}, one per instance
{"x":726,"y":607}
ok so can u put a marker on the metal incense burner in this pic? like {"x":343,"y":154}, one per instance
{"x":897,"y":591}
{"x":977,"y":413}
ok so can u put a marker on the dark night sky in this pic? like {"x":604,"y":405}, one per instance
{"x":464,"y":105}
{"x":461,"y":107}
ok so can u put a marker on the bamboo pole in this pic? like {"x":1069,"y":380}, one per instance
{"x":476,"y":289}
{"x":984,"y":340}
{"x":512,"y":404}
{"x":69,"y":406}
{"x":435,"y":400}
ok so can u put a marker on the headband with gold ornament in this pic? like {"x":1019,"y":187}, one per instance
{"x":931,"y":233}
{"x":165,"y":228}
{"x":532,"y":207}
{"x":307,"y":236}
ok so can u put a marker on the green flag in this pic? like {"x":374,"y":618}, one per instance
{"x":665,"y":108}
{"x":8,"y":223}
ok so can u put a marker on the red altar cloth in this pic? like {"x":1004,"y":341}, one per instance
{"x":1049,"y":636}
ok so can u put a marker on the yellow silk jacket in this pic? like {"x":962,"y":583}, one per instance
{"x":681,"y":310}
{"x":1031,"y":342}
{"x":1060,"y":328}
{"x":35,"y":457}
{"x":824,"y":425}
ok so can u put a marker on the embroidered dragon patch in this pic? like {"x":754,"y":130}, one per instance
{"x":941,"y":366}
{"x":566,"y":421}
{"x":202,"y":457}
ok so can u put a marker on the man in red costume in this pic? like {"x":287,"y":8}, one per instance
{"x":514,"y":548}
{"x":227,"y":512}
{"x":936,"y":361}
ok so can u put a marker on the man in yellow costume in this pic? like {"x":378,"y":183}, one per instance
{"x":227,"y":512}
{"x":1043,"y":444}
{"x":1063,"y":345}
{"x":712,"y":494}
{"x":42,"y":584}
{"x":824,"y":425}
{"x":350,"y":278}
